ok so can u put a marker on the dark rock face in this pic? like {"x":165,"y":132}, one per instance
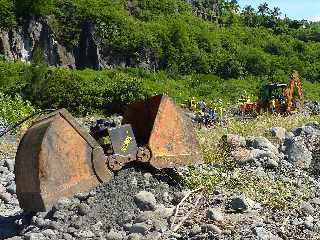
{"x":22,"y":42}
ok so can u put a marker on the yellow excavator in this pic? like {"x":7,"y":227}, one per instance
{"x":278,"y":98}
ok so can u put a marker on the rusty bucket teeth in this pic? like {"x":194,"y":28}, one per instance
{"x":55,"y":159}
{"x":161,"y":125}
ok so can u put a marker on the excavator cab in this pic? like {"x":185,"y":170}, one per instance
{"x":283,"y":95}
{"x":274,"y":92}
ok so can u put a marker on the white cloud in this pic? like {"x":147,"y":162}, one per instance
{"x":314,"y":18}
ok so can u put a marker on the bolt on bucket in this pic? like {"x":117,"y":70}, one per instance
{"x":55,"y":159}
{"x":161,"y":125}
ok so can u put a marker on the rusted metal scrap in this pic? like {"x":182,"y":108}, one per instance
{"x":57,"y":158}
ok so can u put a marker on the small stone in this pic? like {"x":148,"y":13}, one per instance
{"x":278,"y":132}
{"x":35,"y":236}
{"x":264,"y":234}
{"x":134,"y":182}
{"x":135,"y":236}
{"x":298,"y":153}
{"x":316,"y":201}
{"x":2,"y":188}
{"x":145,"y":200}
{"x":166,"y":197}
{"x":62,"y":203}
{"x":139,"y":228}
{"x":263,"y":143}
{"x":307,"y":208}
{"x":5,"y":197}
{"x":272,"y":163}
{"x":67,"y":236}
{"x":114,"y":235}
{"x":243,"y":203}
{"x":211,"y":228}
{"x":83,"y":209}
{"x":96,"y":227}
{"x":234,"y":141}
{"x":309,"y":222}
{"x":196,"y":229}
{"x":215,"y":215}
{"x":59,"y":215}
{"x":85,"y":234}
{"x":15,"y":238}
{"x":82,"y":196}
{"x":48,"y":233}
{"x":9,"y":163}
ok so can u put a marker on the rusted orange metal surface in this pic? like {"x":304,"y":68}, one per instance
{"x":161,"y":125}
{"x":57,"y":159}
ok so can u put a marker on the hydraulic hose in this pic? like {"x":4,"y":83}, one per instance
{"x":11,"y":127}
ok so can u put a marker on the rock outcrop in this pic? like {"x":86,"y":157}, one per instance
{"x":23,"y":42}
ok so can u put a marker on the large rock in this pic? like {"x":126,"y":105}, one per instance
{"x":234,"y":141}
{"x":298,"y":153}
{"x":215,"y":215}
{"x":24,"y":41}
{"x":146,"y":200}
{"x":278,"y":132}
{"x":261,"y":143}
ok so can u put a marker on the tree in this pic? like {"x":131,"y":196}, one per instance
{"x":249,"y":16}
{"x":275,"y":12}
{"x":263,"y":9}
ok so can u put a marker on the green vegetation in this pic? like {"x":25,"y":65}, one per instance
{"x":274,"y":194}
{"x":89,"y":91}
{"x":13,"y":109}
{"x":236,"y":51}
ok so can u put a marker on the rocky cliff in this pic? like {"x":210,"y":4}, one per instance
{"x":22,"y":42}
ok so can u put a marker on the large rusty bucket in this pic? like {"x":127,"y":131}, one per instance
{"x":55,"y":159}
{"x":162,"y":126}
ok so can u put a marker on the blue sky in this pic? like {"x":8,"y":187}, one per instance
{"x":295,"y":9}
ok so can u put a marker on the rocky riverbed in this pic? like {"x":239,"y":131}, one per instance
{"x":272,"y":192}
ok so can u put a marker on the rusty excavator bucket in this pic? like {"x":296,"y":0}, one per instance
{"x":57,"y":158}
{"x":162,"y":126}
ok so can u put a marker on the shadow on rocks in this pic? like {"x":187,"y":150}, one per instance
{"x":12,"y":225}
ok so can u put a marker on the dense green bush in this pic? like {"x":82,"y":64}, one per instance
{"x":7,"y":15}
{"x":13,"y":109}
{"x":241,"y":50}
{"x":251,"y":43}
{"x":88,"y":91}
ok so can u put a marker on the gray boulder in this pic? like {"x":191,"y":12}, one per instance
{"x":298,"y":153}
{"x":141,"y":228}
{"x":145,"y":200}
{"x":215,"y":215}
{"x":262,"y":143}
{"x":278,"y":132}
{"x":234,"y":141}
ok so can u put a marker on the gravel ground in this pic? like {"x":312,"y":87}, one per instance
{"x":140,"y":203}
